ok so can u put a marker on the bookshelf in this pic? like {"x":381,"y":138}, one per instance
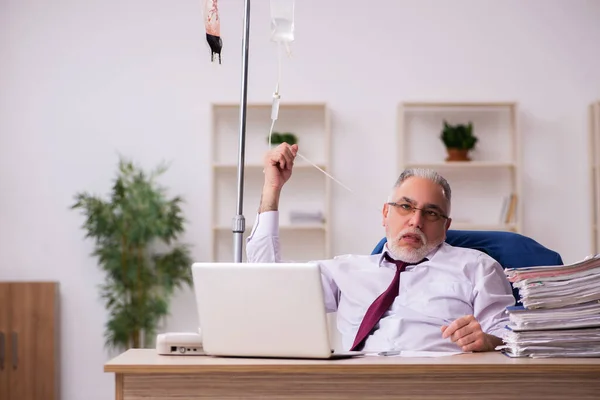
{"x":307,"y":191}
{"x":483,"y":188}
{"x":594,"y":157}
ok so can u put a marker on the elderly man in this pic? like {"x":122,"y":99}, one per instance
{"x":420,"y":293}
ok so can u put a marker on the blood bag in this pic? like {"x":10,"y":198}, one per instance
{"x":212,"y":25}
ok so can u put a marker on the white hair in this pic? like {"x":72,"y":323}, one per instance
{"x":426,"y":174}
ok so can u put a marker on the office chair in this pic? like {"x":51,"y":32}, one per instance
{"x":511,"y":250}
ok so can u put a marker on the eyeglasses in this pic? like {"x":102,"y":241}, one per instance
{"x":429,"y":214}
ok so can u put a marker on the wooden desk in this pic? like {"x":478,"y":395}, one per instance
{"x":142,"y":374}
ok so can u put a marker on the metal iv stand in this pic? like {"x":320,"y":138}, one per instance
{"x":239,"y":223}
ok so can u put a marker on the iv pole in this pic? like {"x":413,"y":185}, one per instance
{"x":238,"y":227}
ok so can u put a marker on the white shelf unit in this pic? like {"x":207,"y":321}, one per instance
{"x":594,"y":157}
{"x":482,"y":186}
{"x":308,"y":190}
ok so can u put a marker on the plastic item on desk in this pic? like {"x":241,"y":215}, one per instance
{"x":179,"y":343}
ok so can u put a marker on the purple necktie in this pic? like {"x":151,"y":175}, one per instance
{"x":380,"y":305}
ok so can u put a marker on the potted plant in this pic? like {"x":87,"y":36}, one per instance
{"x":459,"y":140}
{"x":135,"y":232}
{"x":286,"y":137}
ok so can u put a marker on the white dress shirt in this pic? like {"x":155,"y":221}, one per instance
{"x":453,"y":282}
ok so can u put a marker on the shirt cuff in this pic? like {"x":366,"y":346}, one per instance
{"x":500,"y":332}
{"x":267,"y":224}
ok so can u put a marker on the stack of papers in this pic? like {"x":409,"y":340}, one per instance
{"x":560,"y":315}
{"x":556,"y":343}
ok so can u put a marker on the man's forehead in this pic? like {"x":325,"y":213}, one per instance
{"x":420,"y":194}
{"x":419,"y":202}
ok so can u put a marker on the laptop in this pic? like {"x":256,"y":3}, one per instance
{"x":263,"y":310}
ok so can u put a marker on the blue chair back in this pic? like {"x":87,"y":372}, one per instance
{"x":511,"y":250}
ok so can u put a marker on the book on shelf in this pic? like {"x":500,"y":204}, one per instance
{"x":560,"y":311}
{"x":306,"y":217}
{"x":509,"y":209}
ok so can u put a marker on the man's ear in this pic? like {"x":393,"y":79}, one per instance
{"x":448,"y":223}
{"x":384,"y":213}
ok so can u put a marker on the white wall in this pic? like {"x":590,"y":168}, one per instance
{"x":82,"y":81}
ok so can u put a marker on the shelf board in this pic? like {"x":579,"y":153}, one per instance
{"x":468,"y":104}
{"x":287,"y":227}
{"x":465,"y":226}
{"x":297,"y":165}
{"x":269,"y":105}
{"x":462,"y":164}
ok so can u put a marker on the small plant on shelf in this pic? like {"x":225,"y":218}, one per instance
{"x":286,"y":137}
{"x":459,"y":140}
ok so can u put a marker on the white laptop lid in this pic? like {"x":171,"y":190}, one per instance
{"x":261,"y":309}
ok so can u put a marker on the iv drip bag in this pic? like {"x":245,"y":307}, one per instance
{"x":282,"y":21}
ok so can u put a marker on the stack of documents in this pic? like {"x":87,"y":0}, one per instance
{"x":560,"y":315}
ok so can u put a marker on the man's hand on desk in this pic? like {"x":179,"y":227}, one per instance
{"x":467,"y":334}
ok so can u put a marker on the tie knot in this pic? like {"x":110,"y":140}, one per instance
{"x":399,"y":263}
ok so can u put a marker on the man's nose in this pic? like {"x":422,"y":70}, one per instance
{"x":416,"y":219}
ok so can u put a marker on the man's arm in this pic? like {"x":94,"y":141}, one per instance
{"x":483,"y":331}
{"x":263,"y":243}
{"x":269,"y":199}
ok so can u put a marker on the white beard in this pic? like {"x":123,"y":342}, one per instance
{"x":409,"y":254}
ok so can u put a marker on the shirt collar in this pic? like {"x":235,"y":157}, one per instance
{"x":429,"y":256}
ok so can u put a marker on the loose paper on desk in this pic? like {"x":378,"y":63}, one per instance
{"x":416,"y":353}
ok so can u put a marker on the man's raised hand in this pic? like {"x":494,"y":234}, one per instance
{"x":278,"y":164}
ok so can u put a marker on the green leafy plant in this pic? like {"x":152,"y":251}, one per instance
{"x":285,"y":137}
{"x":135,"y":233}
{"x":458,"y":136}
